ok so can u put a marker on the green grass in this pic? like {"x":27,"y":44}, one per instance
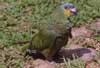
{"x":97,"y":37}
{"x":75,"y":63}
{"x":17,"y":12}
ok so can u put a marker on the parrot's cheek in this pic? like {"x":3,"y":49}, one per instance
{"x":67,"y":12}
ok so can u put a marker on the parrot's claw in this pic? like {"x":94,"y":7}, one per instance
{"x":30,"y":52}
{"x":35,"y":54}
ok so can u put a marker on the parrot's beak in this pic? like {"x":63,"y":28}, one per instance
{"x":73,"y":11}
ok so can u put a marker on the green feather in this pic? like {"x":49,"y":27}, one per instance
{"x":43,"y":40}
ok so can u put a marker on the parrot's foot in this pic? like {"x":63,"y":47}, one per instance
{"x":29,"y":52}
{"x":35,"y":54}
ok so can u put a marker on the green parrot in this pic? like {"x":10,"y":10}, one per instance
{"x":47,"y":41}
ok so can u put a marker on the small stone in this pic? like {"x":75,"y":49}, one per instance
{"x":42,"y":64}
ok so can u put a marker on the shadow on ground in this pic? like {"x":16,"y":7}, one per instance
{"x":70,"y":54}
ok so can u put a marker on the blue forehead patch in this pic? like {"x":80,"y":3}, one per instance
{"x":68,"y":5}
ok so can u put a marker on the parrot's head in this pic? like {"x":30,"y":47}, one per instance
{"x":69,"y":9}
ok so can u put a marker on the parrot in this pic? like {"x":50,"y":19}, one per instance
{"x":47,"y":41}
